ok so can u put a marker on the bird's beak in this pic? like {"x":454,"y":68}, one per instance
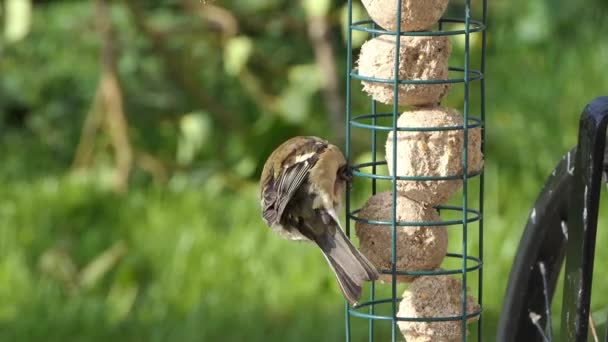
{"x":346,"y":174}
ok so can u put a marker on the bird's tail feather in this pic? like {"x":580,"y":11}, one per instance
{"x":351,"y":267}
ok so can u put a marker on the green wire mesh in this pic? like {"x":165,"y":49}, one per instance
{"x":369,"y":170}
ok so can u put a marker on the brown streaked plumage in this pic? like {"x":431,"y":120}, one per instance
{"x":301,"y":188}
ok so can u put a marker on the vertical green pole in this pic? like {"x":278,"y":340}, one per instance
{"x":394,"y":178}
{"x":465,"y":170}
{"x":349,"y":41}
{"x":483,"y":151}
{"x":372,"y":294}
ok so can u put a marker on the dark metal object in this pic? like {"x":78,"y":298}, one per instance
{"x":606,"y":336}
{"x":543,"y":241}
{"x":582,"y":220}
{"x":562,"y":222}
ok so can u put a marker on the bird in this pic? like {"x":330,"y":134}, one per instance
{"x":301,"y":189}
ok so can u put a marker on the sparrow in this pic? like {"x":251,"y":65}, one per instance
{"x":301,"y":189}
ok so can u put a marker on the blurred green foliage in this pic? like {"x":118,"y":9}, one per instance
{"x":209,"y":91}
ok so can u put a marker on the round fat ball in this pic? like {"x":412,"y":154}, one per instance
{"x":432,"y":153}
{"x":416,"y":15}
{"x":420,"y":58}
{"x":434,"y":296}
{"x":418,"y":247}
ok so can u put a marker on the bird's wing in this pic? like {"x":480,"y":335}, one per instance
{"x":278,"y":193}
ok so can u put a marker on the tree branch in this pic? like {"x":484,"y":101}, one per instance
{"x":227,"y":120}
{"x":218,"y":18}
{"x":112,"y":100}
{"x":92,"y":124}
{"x":319,"y":32}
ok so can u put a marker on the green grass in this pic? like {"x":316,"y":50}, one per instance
{"x":195,"y":268}
{"x":199,"y":264}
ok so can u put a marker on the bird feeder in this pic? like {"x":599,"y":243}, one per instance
{"x":434,"y":156}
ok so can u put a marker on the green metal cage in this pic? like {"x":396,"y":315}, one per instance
{"x":370,"y":121}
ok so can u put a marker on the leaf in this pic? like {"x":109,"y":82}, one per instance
{"x":236,"y":54}
{"x":195,"y":129}
{"x":459,"y":42}
{"x":101,"y":265}
{"x":304,"y":81}
{"x":58,"y":264}
{"x":316,"y":8}
{"x":305,"y":77}
{"x":535,"y":25}
{"x":18,"y":19}
{"x":245,"y":167}
{"x":359,"y":13}
{"x":120,"y":301}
